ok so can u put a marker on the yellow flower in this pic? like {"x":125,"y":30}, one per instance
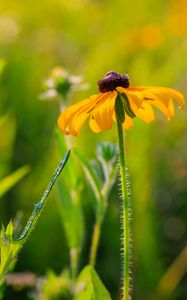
{"x":100,"y":108}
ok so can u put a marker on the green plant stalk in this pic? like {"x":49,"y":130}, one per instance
{"x":99,"y":220}
{"x":125,"y":214}
{"x":95,"y":242}
{"x":101,"y":206}
{"x":74,"y":259}
{"x":97,"y":230}
{"x":103,"y":195}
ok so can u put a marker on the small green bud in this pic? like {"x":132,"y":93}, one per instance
{"x":126,"y":105}
{"x":119,"y":109}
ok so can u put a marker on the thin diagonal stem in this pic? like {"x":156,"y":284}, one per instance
{"x":125,"y":214}
{"x":38,"y":207}
{"x":97,"y":232}
{"x":95,"y":243}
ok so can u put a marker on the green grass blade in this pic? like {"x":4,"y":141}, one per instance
{"x":2,"y":64}
{"x":93,"y":179}
{"x":70,"y":209}
{"x":72,"y":217}
{"x":9,"y":181}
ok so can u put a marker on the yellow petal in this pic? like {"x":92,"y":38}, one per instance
{"x":171,"y":108}
{"x":102,"y":113}
{"x":69,"y":112}
{"x":72,"y":118}
{"x":162,"y":98}
{"x":171,"y":93}
{"x":157,"y":96}
{"x":164,"y":94}
{"x":128,"y":122}
{"x":93,"y":125}
{"x":77,"y":122}
{"x":135,"y":97}
{"x":114,"y":116}
{"x":145,"y":112}
{"x":163,"y":108}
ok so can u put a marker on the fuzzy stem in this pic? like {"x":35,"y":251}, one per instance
{"x":125,"y":214}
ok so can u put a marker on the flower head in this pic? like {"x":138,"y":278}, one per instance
{"x":113,"y":80}
{"x":136,"y":102}
{"x":61,"y":83}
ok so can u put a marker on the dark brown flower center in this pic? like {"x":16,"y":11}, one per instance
{"x":113,"y":80}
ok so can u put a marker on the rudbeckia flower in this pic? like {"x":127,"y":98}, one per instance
{"x":136,"y":101}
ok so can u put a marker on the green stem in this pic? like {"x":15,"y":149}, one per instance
{"x":95,"y":243}
{"x":97,"y":229}
{"x":125,"y":213}
{"x":74,"y":257}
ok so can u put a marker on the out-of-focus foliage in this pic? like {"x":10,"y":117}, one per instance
{"x":147,"y":40}
{"x":55,"y":287}
{"x":8,"y":250}
{"x":10,"y":180}
{"x":89,"y":286}
{"x":2,"y":64}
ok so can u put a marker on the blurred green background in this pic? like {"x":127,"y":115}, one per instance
{"x":146,"y":39}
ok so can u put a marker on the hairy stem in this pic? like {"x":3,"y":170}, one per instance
{"x":125,"y":214}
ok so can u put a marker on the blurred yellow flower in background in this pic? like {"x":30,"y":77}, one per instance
{"x":177,"y":19}
{"x":100,"y":108}
{"x":151,"y":36}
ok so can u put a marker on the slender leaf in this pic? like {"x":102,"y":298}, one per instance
{"x":90,"y":287}
{"x":93,"y":179}
{"x":127,"y":106}
{"x":2,"y":64}
{"x":3,"y":119}
{"x":70,"y":208}
{"x":9,"y":181}
{"x":71,"y":213}
{"x":55,"y":286}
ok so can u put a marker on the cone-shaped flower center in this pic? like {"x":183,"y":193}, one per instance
{"x":113,"y":80}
